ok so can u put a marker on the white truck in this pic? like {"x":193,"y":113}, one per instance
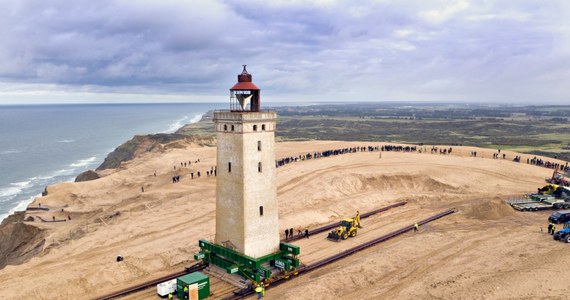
{"x":164,"y":288}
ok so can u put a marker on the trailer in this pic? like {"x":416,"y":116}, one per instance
{"x":538,"y":202}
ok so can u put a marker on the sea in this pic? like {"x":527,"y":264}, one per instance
{"x":41,"y":145}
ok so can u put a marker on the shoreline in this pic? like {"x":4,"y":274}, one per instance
{"x":80,"y":164}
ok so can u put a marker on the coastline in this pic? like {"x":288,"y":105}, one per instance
{"x":74,"y":169}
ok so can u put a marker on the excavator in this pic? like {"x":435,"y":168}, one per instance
{"x":348,"y":227}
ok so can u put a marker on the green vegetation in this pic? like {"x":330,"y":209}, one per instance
{"x":543,"y":130}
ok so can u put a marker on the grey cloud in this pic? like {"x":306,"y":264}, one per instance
{"x":364,"y":50}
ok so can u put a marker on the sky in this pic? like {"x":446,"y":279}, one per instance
{"x":508,"y":51}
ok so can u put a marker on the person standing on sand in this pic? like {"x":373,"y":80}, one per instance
{"x":553,"y":229}
{"x":549,"y":228}
{"x":286,"y":233}
{"x":416,"y":227}
{"x":299,"y":231}
{"x":291,"y":232}
{"x":306,"y":232}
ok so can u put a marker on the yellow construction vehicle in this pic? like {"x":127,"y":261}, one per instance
{"x":347,"y":227}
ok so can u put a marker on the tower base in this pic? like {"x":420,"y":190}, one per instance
{"x":254,"y":269}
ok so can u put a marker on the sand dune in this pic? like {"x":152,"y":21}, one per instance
{"x":484,"y":251}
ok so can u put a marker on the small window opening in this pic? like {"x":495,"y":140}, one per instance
{"x":233,"y":128}
{"x":225,"y":127}
{"x":259,"y":167}
{"x":263,"y":127}
{"x":229,"y":167}
{"x":254,"y":127}
{"x":258,"y":145}
{"x":261,"y":210}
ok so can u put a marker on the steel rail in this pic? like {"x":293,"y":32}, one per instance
{"x":331,"y":259}
{"x":372,"y":242}
{"x":201,"y":266}
{"x":194,"y":268}
{"x":336,"y":224}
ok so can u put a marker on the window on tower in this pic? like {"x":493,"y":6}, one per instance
{"x":261,"y":210}
{"x":225,"y":127}
{"x":232,"y":127}
{"x":263,"y":127}
{"x":229,"y":167}
{"x":258,"y":145}
{"x":254,"y":127}
{"x":259,"y":167}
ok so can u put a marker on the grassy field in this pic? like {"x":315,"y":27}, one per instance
{"x":527,"y":129}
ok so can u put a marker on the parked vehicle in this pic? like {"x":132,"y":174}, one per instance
{"x":564,"y":234}
{"x":164,"y":288}
{"x":561,"y":216}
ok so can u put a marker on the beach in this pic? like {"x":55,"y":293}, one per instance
{"x":484,"y":250}
{"x":45,"y":144}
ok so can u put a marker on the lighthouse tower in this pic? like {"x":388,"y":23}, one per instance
{"x":246,"y":201}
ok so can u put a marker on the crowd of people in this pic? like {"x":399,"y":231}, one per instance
{"x":328,"y":153}
{"x":548,"y":164}
{"x":399,"y":148}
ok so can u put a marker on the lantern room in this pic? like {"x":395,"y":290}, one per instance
{"x":244,"y":95}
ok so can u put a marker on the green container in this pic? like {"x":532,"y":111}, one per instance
{"x":289,"y":248}
{"x":282,"y":264}
{"x":197,"y":278}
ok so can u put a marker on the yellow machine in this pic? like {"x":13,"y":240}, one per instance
{"x":548,"y":189}
{"x":347,"y":227}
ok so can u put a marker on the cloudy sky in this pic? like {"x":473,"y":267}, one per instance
{"x":508,"y":51}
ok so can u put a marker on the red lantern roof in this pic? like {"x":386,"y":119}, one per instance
{"x":244,"y":86}
{"x":244,"y":81}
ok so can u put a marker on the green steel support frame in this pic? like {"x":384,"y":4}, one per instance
{"x":251,"y":268}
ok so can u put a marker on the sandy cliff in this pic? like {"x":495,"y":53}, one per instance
{"x":485,"y":250}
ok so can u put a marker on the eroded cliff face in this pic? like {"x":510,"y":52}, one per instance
{"x":136,"y":146}
{"x":19,"y":242}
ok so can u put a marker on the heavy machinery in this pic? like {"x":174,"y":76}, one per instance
{"x":564,"y":234}
{"x":347,"y":227}
{"x":558,"y":178}
{"x":547,"y":189}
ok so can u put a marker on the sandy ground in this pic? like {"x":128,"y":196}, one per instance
{"x":484,"y":251}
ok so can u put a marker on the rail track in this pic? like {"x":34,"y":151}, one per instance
{"x":334,"y":225}
{"x":308,"y":268}
{"x":200,"y":266}
{"x":194,"y":268}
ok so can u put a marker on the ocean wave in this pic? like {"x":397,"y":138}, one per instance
{"x":84,"y":162}
{"x":21,"y":206}
{"x":15,"y":188}
{"x":10,"y":192}
{"x":66,"y":141}
{"x":183,"y":121}
{"x":177,"y":124}
{"x":22,"y":184}
{"x":10,"y":151}
{"x":197,"y":118}
{"x":58,"y":173}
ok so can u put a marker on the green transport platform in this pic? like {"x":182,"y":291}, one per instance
{"x":194,"y":281}
{"x":255,"y":269}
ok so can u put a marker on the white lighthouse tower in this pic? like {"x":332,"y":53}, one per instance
{"x":246,"y":201}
